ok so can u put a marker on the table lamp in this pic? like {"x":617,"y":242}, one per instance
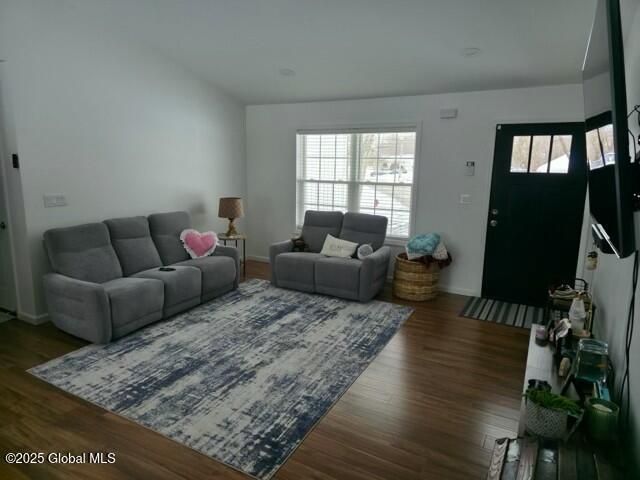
{"x":231,"y":208}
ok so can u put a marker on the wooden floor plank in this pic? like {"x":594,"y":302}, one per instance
{"x":426,"y":408}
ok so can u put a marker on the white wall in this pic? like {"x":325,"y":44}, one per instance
{"x":446,"y":145}
{"x":611,"y":282}
{"x":114,"y":126}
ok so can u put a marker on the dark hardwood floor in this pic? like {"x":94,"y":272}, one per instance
{"x":428,"y":407}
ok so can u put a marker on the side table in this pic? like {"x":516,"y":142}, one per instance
{"x":234,"y":238}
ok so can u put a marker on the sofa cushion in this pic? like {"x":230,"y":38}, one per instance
{"x":317,"y":225}
{"x":165,"y":232}
{"x":83,"y":252}
{"x":364,"y":228}
{"x":182,"y":287}
{"x":338,"y":276}
{"x":135,"y":302}
{"x":132,"y":242}
{"x":218,"y":274}
{"x":337,"y":247}
{"x":296,"y":270}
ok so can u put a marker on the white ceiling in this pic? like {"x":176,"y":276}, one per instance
{"x":360,"y":48}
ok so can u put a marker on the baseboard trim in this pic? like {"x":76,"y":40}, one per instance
{"x":258,"y":258}
{"x":33,"y":319}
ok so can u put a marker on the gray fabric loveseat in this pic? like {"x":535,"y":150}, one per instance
{"x":348,"y":278}
{"x":107,"y":282}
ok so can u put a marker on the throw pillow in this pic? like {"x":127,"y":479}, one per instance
{"x":364,"y":251}
{"x":198,"y":244}
{"x":336,"y":247}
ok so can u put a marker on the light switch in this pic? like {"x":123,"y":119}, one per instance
{"x":465,"y":199}
{"x":56,"y":200}
{"x":470,"y":170}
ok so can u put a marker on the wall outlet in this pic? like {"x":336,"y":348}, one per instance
{"x":465,"y":199}
{"x":57,"y":200}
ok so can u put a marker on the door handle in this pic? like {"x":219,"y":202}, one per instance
{"x":493,"y":223}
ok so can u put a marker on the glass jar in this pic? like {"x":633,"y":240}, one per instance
{"x":592,"y":360}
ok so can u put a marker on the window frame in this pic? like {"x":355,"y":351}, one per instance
{"x":361,"y":129}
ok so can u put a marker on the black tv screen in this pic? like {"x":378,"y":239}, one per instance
{"x":611,"y":179}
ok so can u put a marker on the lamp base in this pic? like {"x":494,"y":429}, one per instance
{"x":231,"y":231}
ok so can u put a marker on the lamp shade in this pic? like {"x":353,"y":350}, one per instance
{"x":230,"y":207}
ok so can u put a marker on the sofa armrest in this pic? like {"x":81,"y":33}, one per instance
{"x":231,"y":252}
{"x":78,"y":307}
{"x":373,"y":273}
{"x":274,"y":250}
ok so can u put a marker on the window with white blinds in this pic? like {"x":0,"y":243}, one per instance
{"x":368,"y":172}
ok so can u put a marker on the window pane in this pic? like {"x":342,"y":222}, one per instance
{"x":540,"y":154}
{"x":560,"y":154}
{"x":325,"y":194}
{"x":388,"y":143}
{"x":328,"y":146}
{"x":384,"y":197}
{"x":368,"y":162}
{"x":398,"y":226}
{"x":520,"y":154}
{"x":311,"y":169}
{"x":402,"y":198}
{"x":594,"y":154}
{"x":367,"y":197}
{"x":343,"y":146}
{"x":327,"y":168}
{"x":340,"y":192}
{"x":406,"y":144}
{"x":312,"y":143}
{"x":311,"y":192}
{"x":606,"y":138}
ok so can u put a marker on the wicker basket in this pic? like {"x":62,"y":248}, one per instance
{"x":545,"y":422}
{"x":414,"y":280}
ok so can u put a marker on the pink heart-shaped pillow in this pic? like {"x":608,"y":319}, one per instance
{"x":199,"y":244}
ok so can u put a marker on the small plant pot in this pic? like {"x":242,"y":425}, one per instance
{"x":544,"y":422}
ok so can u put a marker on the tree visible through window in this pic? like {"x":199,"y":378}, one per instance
{"x":368,"y":172}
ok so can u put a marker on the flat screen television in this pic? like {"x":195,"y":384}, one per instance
{"x":612,"y":176}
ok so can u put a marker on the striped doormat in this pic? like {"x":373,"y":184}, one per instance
{"x":514,"y":314}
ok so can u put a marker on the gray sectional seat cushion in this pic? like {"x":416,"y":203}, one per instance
{"x":219,"y":274}
{"x":317,"y":225}
{"x":364,"y":228}
{"x":182,"y":287}
{"x":135,"y":302}
{"x":165,"y":231}
{"x":339,"y":277}
{"x":132,"y":242}
{"x":296,"y":270}
{"x":349,"y":278}
{"x":83,"y":252}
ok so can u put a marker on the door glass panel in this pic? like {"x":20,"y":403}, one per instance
{"x":540,"y":154}
{"x":606,"y":137}
{"x":520,"y":154}
{"x":594,"y":155}
{"x":560,"y":154}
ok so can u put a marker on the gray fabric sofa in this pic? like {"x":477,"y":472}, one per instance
{"x":106,"y":280}
{"x":348,"y":278}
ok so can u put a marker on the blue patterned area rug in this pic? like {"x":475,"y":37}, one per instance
{"x":242,"y":379}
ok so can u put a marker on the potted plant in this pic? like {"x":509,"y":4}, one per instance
{"x":547,"y":413}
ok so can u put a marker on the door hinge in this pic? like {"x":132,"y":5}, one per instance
{"x":15,"y":160}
